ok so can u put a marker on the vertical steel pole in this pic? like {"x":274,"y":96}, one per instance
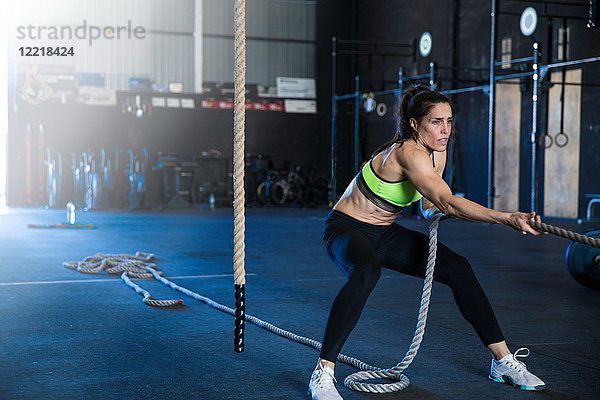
{"x":356,"y":140}
{"x":400,"y":89}
{"x":332,"y":177}
{"x":534,"y":122}
{"x":432,"y":75}
{"x":400,"y":84}
{"x":491,"y":108}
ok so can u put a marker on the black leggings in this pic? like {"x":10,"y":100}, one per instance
{"x":361,"y":250}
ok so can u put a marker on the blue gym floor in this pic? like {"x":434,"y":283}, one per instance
{"x":66,"y":335}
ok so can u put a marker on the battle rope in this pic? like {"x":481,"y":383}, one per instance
{"x":150,"y":271}
{"x":148,"y":299}
{"x":142,"y":267}
{"x":395,"y":373}
{"x":238,"y":174}
{"x":128,"y":266}
{"x":555,"y":230}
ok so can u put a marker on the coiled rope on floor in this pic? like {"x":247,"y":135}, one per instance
{"x":558,"y":231}
{"x":141,"y":264}
{"x":129,"y":267}
{"x":114,"y":264}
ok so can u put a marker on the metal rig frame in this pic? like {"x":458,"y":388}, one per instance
{"x":538,"y":72}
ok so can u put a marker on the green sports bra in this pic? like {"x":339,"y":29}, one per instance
{"x":389,"y":196}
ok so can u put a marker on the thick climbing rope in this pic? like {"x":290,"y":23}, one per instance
{"x":558,"y":231}
{"x":238,"y":173}
{"x":141,"y":264}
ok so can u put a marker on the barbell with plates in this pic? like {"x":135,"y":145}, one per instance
{"x":582,"y":255}
{"x":583,"y":262}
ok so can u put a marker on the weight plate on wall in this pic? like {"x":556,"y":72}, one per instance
{"x":425,"y":43}
{"x":528,"y":21}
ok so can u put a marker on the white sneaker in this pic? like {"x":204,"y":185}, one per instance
{"x":321,"y":386}
{"x":510,"y":370}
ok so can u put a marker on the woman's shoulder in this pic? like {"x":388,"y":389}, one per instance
{"x":407,"y":152}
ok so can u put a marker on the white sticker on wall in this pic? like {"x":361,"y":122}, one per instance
{"x":303,"y":88}
{"x":301,"y":106}
{"x":173,"y":102}
{"x":159,"y":102}
{"x":188,"y":103}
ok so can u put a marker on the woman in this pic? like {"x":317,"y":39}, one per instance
{"x":361,"y":237}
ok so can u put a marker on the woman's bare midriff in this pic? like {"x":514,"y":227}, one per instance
{"x":356,"y":205}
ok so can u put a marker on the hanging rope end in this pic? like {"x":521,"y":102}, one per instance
{"x":240,"y":318}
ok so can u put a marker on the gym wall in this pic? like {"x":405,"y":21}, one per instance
{"x":280,"y":40}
